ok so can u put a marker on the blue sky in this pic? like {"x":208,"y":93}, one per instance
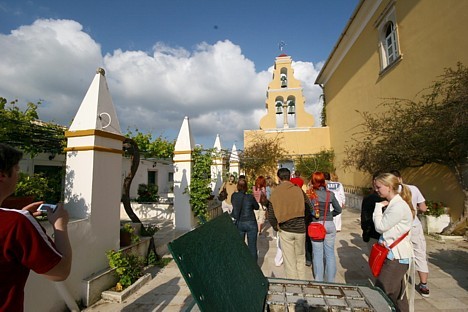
{"x":208,"y":60}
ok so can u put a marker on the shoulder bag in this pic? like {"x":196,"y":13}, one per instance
{"x":223,"y":194}
{"x":315,"y":230}
{"x":379,"y":254}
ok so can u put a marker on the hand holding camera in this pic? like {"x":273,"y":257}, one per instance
{"x":45,"y":208}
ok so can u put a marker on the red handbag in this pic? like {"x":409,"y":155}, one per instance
{"x":379,"y":254}
{"x":315,"y":230}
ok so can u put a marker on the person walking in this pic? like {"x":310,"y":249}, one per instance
{"x":231,"y":188}
{"x":338,"y":189}
{"x":24,"y":244}
{"x":394,"y":224}
{"x":323,"y":250}
{"x":244,"y":206}
{"x":259,"y":190}
{"x":286,"y":213}
{"x":417,"y":236}
{"x":270,"y":187}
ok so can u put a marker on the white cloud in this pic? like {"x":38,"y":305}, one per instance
{"x":214,"y":85}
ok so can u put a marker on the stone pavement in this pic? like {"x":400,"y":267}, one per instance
{"x":448,"y":277}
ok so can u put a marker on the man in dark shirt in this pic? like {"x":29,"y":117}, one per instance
{"x":369,"y":234}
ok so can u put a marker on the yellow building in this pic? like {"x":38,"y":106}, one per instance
{"x":393,"y":49}
{"x":286,"y":118}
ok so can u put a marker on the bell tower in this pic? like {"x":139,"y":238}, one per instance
{"x":286,"y":119}
{"x":285,"y":100}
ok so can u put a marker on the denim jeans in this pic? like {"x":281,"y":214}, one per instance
{"x":325,"y":248}
{"x":251,"y":229}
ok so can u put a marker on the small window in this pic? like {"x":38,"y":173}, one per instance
{"x":170,"y":177}
{"x":391,"y":44}
{"x":389,"y":47}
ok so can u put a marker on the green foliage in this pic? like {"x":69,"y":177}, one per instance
{"x":128,"y":267}
{"x":322,"y":161}
{"x":147,"y":193}
{"x":149,"y":148}
{"x":36,"y":185}
{"x":200,"y":189}
{"x":152,"y":258}
{"x":412,"y":134}
{"x":261,"y":156}
{"x":323,"y":114}
{"x":434,"y":208}
{"x":23,"y":130}
{"x":128,"y":228}
{"x":149,"y":230}
{"x":163,"y":262}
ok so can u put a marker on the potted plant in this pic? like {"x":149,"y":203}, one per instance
{"x":127,"y":235}
{"x":149,"y":230}
{"x":436,"y":217}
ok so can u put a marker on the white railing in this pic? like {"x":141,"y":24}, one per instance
{"x":354,"y":196}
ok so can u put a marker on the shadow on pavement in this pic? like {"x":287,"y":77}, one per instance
{"x":452,"y":262}
{"x":170,"y":288}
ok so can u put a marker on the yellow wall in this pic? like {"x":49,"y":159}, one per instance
{"x":432,"y":36}
{"x":296,"y":143}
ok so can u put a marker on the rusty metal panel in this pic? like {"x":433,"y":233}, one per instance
{"x":295,"y":295}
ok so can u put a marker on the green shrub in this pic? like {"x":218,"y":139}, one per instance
{"x":128,"y":267}
{"x":435,"y":208}
{"x":35,"y":185}
{"x":128,"y":228}
{"x":149,"y":230}
{"x":147,"y":193}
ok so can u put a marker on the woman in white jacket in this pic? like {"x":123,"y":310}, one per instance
{"x":393,"y":222}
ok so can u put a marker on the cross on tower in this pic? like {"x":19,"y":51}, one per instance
{"x":281,"y":45}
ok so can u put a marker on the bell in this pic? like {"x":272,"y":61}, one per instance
{"x":279,"y":108}
{"x":291,"y":108}
{"x":284,"y":81}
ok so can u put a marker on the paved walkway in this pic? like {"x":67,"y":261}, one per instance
{"x":448,"y":279}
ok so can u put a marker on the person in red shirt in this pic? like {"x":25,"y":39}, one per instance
{"x":24,"y":244}
{"x":297,"y":179}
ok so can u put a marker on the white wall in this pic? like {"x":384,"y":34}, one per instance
{"x":163,"y":169}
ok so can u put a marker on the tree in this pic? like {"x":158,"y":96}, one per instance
{"x":261,"y":157}
{"x":413,"y":134}
{"x":149,"y":148}
{"x":131,"y":148}
{"x":135,"y":146}
{"x":24,"y":130}
{"x":322,"y":161}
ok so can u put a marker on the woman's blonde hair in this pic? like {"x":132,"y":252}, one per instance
{"x":393,"y":182}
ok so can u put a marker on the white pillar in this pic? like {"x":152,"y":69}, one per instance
{"x":93,"y":180}
{"x":217,"y":167}
{"x":183,"y":215}
{"x":234,"y":165}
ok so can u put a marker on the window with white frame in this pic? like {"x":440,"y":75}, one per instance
{"x":389,"y":47}
{"x":391,"y":44}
